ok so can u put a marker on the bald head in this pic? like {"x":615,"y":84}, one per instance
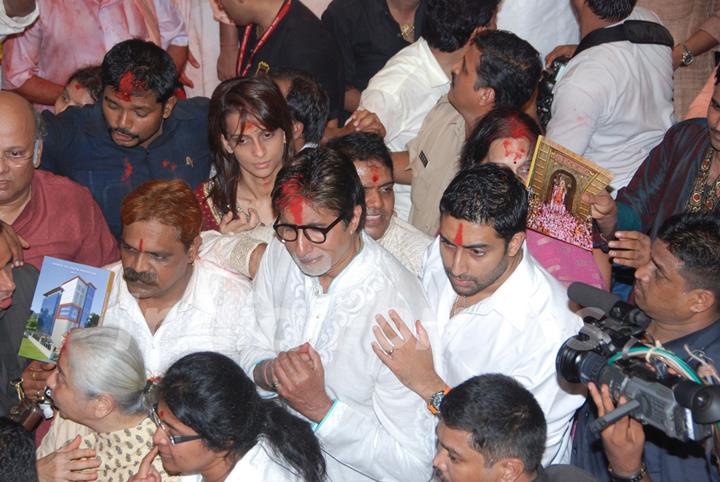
{"x":17,"y":112}
{"x":20,"y":149}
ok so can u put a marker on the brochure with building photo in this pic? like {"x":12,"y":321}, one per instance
{"x":67,"y":296}
{"x":557,"y":181}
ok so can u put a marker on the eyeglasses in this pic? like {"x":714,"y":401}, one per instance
{"x":289,"y":232}
{"x":18,"y":157}
{"x":174,"y":439}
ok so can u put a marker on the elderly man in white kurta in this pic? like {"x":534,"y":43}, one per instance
{"x":497,"y":309}
{"x":317,"y":291}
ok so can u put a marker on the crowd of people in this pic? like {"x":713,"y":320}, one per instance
{"x":316,"y":216}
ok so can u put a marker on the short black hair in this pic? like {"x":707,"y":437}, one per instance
{"x":503,"y":418}
{"x":89,"y":78}
{"x":488,"y":194}
{"x":325,"y":179}
{"x":149,"y":67}
{"x":308,"y":102}
{"x":497,"y":124}
{"x":362,"y":146}
{"x":694,"y":239}
{"x":449,"y":24}
{"x":509,"y":65}
{"x":17,"y":453}
{"x":612,"y":10}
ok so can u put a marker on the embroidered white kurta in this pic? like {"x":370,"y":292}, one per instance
{"x":517,"y":331}
{"x":215,"y":308}
{"x":377,"y":428}
{"x":406,"y":242}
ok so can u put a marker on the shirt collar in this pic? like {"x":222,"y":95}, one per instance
{"x":505,"y":299}
{"x":435,"y":74}
{"x":196,"y":294}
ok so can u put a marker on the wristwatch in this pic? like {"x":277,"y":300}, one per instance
{"x":636,"y":477}
{"x":687,"y":56}
{"x":436,"y":400}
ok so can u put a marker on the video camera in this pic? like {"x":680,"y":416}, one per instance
{"x":608,"y":351}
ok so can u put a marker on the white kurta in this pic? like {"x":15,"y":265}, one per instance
{"x":257,"y":465}
{"x":377,"y":428}
{"x":406,"y":242}
{"x":517,"y":331}
{"x":215,"y":308}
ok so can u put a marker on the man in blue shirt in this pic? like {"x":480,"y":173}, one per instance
{"x":138,"y":132}
{"x":679,"y":289}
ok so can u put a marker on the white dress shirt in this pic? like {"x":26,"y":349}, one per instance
{"x":406,"y":242}
{"x":401,"y":94}
{"x":376,"y":429}
{"x":517,"y":331}
{"x":257,"y":465}
{"x":215,"y":308}
{"x":613,"y":103}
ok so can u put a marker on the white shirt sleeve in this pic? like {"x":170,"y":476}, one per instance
{"x":388,"y":109}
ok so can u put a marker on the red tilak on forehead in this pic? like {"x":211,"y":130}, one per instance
{"x":129,"y":85}
{"x":292,"y":198}
{"x":374,"y":172}
{"x":459,"y":235}
{"x":141,"y":246}
{"x":161,"y":413}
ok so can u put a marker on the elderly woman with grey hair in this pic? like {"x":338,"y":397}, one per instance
{"x":102,"y":430}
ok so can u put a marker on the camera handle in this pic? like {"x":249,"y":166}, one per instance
{"x":611,"y":417}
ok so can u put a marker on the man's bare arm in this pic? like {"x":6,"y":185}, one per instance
{"x":40,"y":91}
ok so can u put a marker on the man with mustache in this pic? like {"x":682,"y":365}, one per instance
{"x":497,"y":310}
{"x":138,"y":132}
{"x":678,"y":287}
{"x":170,"y":300}
{"x":317,"y":290}
{"x":373,"y":164}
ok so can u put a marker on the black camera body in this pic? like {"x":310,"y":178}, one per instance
{"x":681,"y":408}
{"x":547,"y":83}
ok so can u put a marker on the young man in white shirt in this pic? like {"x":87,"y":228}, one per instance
{"x":497,"y":310}
{"x":172,"y":302}
{"x":613,"y":102}
{"x":373,"y":164}
{"x":319,"y":285}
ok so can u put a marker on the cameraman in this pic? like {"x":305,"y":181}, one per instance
{"x":679,"y":289}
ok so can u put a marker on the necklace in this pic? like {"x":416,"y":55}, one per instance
{"x":407,"y":30}
{"x":704,"y":197}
